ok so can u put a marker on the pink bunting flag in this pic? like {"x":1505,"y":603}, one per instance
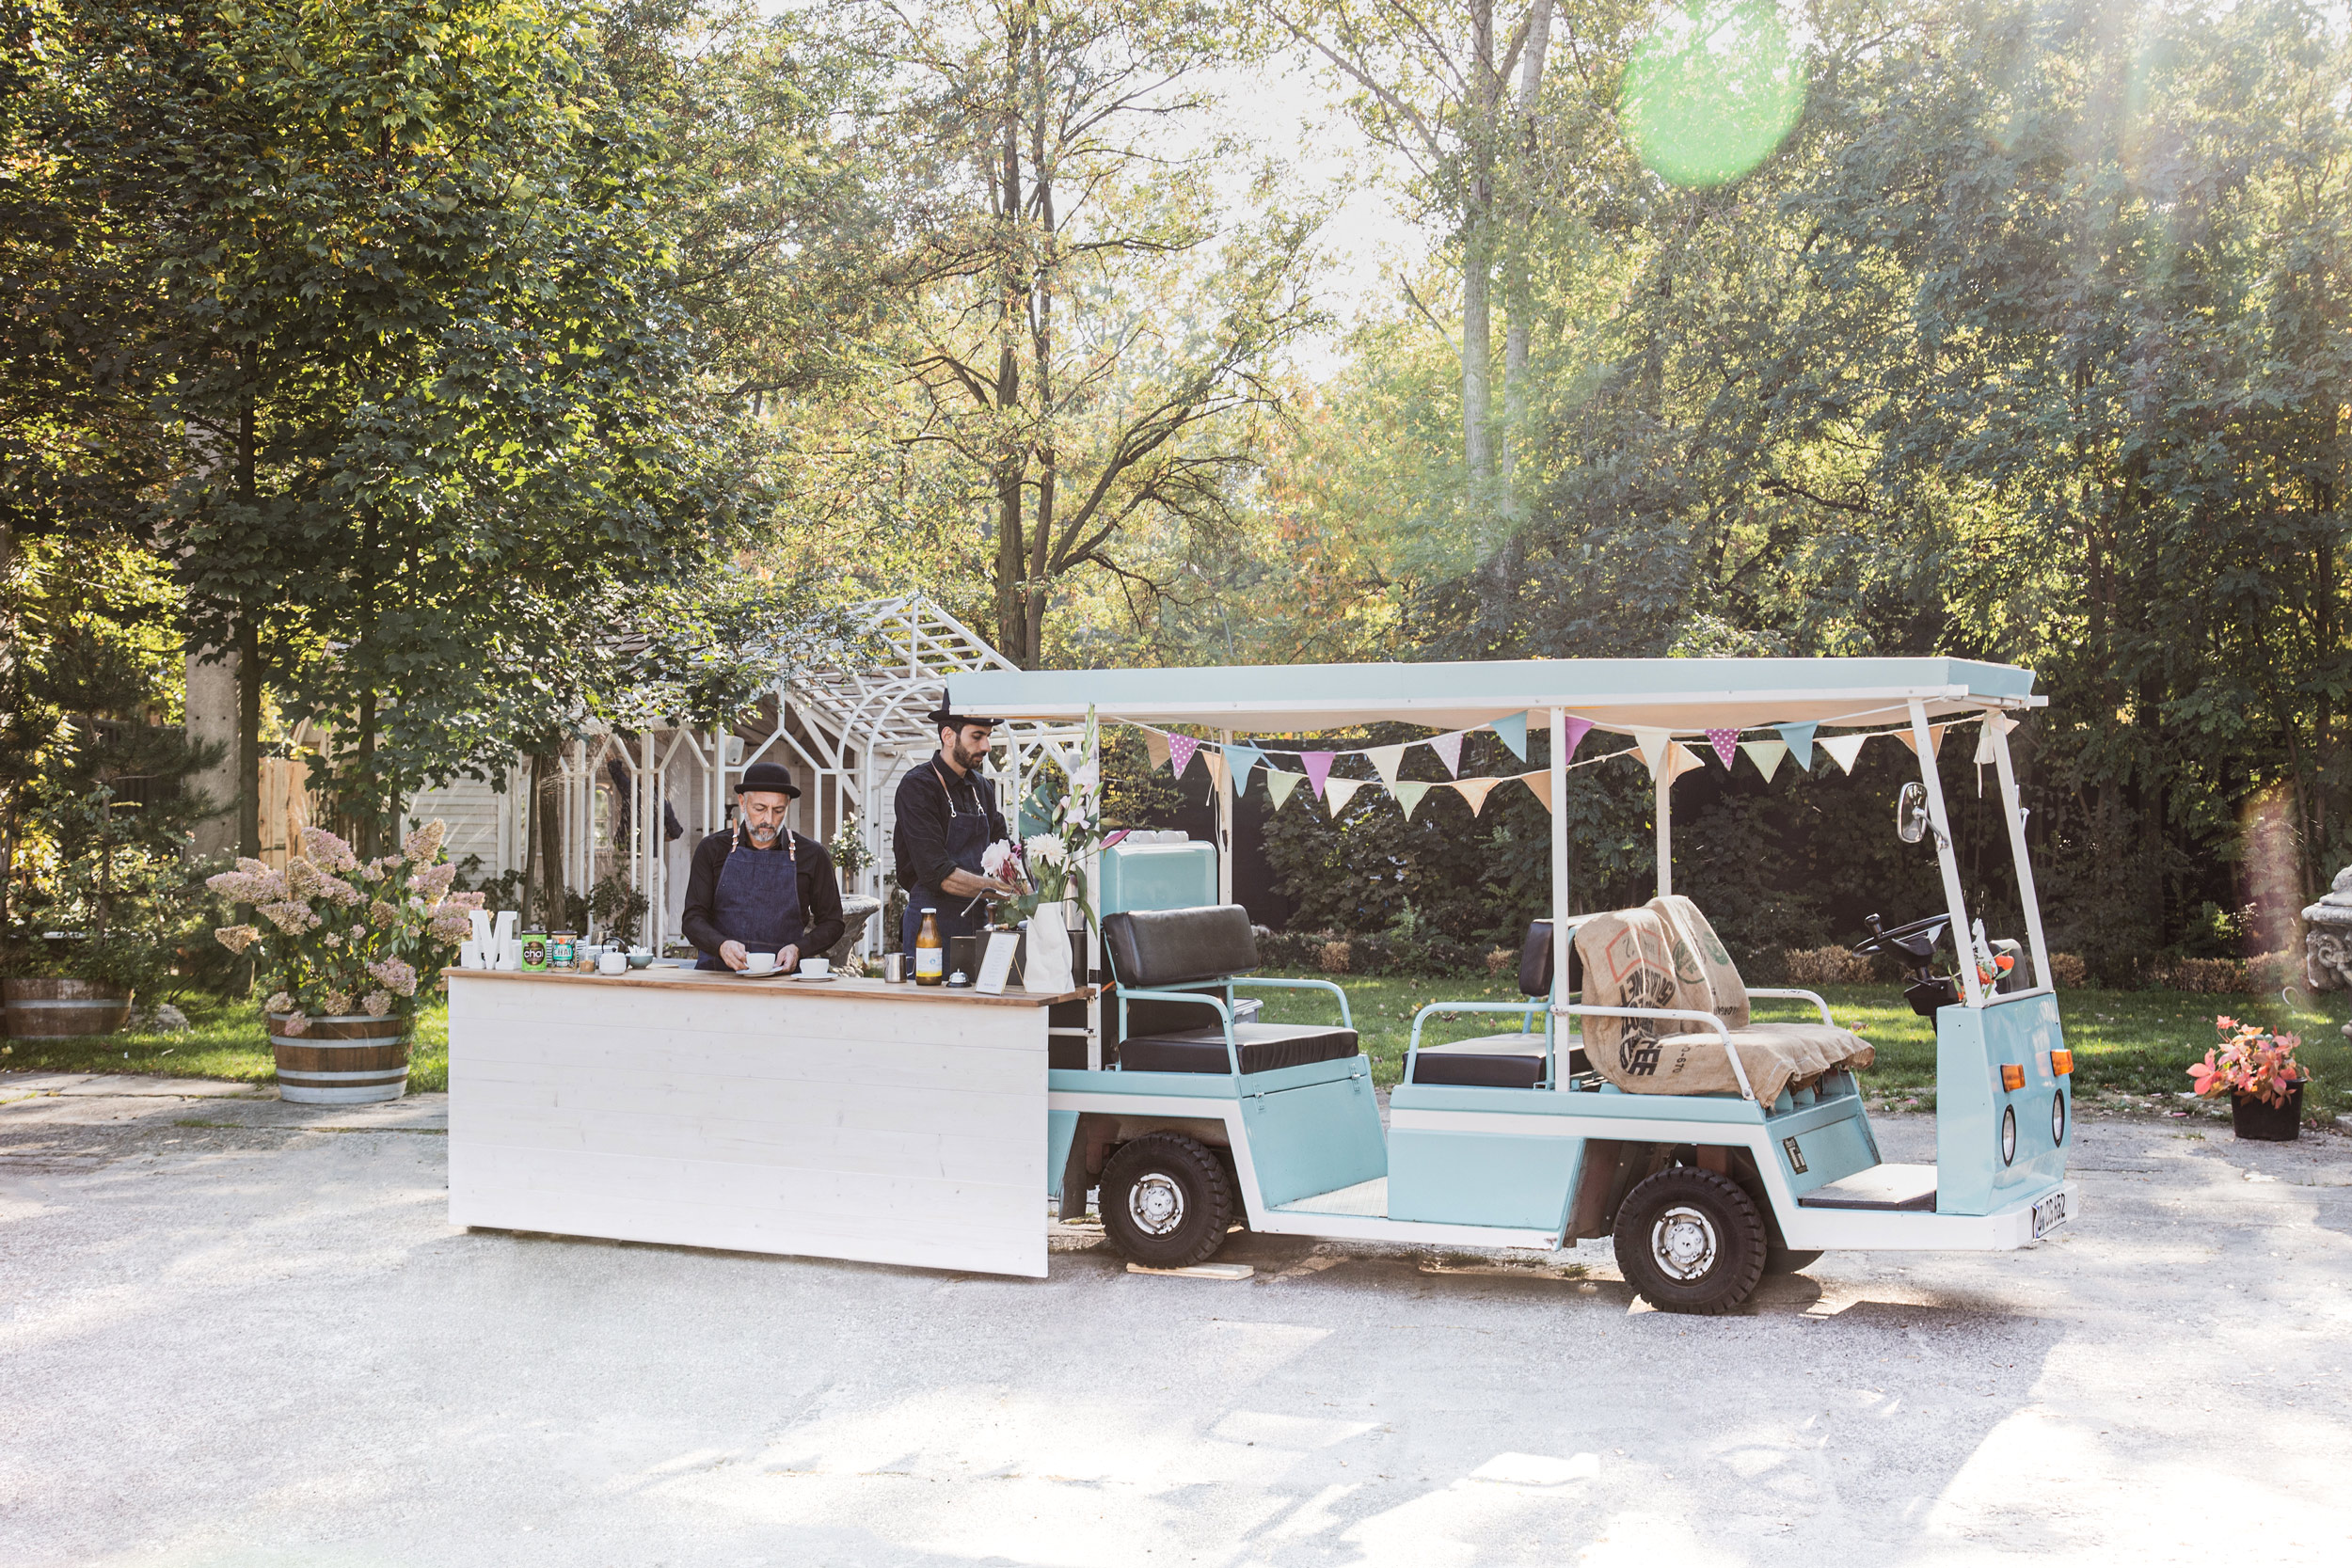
{"x":1180,"y":749}
{"x":1449,"y":749}
{"x":1726,"y":744}
{"x":1318,"y":766}
{"x":1572,"y":733}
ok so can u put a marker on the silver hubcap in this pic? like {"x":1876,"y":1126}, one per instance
{"x":1155,"y":1204}
{"x":1682,"y":1244}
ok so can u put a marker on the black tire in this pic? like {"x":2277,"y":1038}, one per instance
{"x":1165,"y":1201}
{"x":1690,"y":1240}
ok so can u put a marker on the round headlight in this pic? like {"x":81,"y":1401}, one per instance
{"x":2057,"y":1119}
{"x":2009,"y":1134}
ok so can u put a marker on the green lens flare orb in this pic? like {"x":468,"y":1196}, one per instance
{"x":1712,"y":90}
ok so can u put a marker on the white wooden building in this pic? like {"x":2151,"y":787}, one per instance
{"x":848,"y":735}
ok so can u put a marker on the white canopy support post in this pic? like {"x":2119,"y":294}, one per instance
{"x":648,"y":797}
{"x":1664,"y":788}
{"x":1945,"y":858}
{"x":1225,"y":818}
{"x":1559,"y":895}
{"x":2027,"y":897}
{"x":1091,"y":758}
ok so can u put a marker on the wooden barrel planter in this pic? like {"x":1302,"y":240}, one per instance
{"x":347,"y":1059}
{"x":64,"y":1009}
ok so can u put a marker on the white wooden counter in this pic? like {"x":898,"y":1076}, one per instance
{"x":891,"y":1124}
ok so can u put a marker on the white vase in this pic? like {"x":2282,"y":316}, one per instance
{"x":1045,"y":958}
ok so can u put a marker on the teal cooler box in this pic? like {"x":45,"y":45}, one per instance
{"x":1157,"y":875}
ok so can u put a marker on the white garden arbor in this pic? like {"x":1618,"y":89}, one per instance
{"x":847,"y":732}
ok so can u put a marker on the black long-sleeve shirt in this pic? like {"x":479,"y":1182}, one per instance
{"x":821,"y":892}
{"x":920,"y":838}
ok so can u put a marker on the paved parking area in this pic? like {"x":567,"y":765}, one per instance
{"x":239,"y":1332}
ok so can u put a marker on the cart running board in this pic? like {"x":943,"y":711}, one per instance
{"x":1364,"y":1200}
{"x":1898,"y":1187}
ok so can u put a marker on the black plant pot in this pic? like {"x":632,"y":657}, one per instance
{"x":2251,"y":1117}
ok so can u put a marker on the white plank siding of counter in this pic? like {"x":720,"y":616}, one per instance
{"x":819,"y":1123}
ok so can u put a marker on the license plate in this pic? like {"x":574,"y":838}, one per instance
{"x":2049,"y":1214}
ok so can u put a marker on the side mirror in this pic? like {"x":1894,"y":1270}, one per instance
{"x":1910,"y":813}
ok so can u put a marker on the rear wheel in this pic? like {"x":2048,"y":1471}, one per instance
{"x":1165,"y":1201}
{"x":1690,"y":1240}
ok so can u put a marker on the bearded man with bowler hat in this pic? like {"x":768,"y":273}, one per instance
{"x":759,"y":887}
{"x":946,"y":815}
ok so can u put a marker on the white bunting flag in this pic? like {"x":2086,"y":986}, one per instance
{"x":1682,"y":760}
{"x":1408,"y":793}
{"x":1449,"y":749}
{"x":1653,"y":744}
{"x":1765,"y":754}
{"x":1338,"y":792}
{"x":1278,"y":784}
{"x":1843,"y":749}
{"x":1386,"y":760}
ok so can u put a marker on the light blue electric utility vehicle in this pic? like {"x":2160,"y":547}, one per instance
{"x":1186,"y":1114}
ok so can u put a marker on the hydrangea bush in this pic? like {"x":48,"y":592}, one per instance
{"x":342,"y":936}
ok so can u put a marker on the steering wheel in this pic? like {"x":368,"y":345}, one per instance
{"x":1915,"y":939}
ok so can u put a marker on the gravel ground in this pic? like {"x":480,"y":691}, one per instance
{"x":238,"y":1332}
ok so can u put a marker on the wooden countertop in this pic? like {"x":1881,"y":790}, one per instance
{"x":862,"y":990}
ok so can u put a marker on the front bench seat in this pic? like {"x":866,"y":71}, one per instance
{"x":1199,"y":949}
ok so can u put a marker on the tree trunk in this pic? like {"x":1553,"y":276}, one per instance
{"x":1032,"y":650}
{"x":248,"y":641}
{"x":1012,"y":555}
{"x":1519,"y":294}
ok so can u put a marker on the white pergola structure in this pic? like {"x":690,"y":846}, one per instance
{"x":848,"y":732}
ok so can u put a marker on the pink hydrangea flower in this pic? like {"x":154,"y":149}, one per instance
{"x":238,"y":938}
{"x":333,"y":853}
{"x":289,"y":916}
{"x":279,"y":1002}
{"x":336,"y":1002}
{"x":293,"y":1023}
{"x":420,"y":847}
{"x":396,"y":975}
{"x":377,"y":1004}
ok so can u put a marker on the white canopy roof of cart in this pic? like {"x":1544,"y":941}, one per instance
{"x":1684,"y":695}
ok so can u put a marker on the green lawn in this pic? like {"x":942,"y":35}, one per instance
{"x":2125,"y":1042}
{"x":228,"y":1041}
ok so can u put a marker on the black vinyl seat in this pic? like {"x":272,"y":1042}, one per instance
{"x":1201,"y":951}
{"x":1507,"y":1061}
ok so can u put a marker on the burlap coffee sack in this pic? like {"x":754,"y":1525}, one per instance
{"x":1702,"y":965}
{"x":1628,"y":961}
{"x":1780,"y":1056}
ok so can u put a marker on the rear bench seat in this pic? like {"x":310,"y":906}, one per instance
{"x":1201,"y":950}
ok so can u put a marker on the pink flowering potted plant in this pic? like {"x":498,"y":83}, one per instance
{"x":2257,"y":1070}
{"x":343,"y":946}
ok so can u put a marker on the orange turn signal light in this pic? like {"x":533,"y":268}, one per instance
{"x":2061,"y":1063}
{"x":2013,"y":1076}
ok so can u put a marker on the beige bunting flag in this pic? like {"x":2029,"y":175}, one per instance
{"x":1213,"y":760}
{"x":1386,"y":760}
{"x":1476,"y":791}
{"x":1278,"y":784}
{"x":1338,"y":792}
{"x":1539,"y":784}
{"x":1653,"y":744}
{"x":1935,"y":740}
{"x":1681,"y":761}
{"x":1155,"y":746}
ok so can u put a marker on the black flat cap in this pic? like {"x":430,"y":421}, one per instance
{"x":773,"y":778}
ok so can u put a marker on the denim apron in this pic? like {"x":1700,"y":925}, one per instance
{"x":967,"y":836}
{"x":758,"y":901}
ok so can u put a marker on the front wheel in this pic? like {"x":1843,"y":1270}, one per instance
{"x":1166,"y":1202}
{"x":1690,"y":1240}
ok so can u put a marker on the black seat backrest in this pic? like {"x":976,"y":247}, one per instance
{"x":1535,"y":961}
{"x":1156,"y":949}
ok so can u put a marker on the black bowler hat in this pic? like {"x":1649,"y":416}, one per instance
{"x":770,"y":777}
{"x":943,"y":717}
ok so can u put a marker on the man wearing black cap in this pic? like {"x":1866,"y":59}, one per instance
{"x":760,"y":887}
{"x":946,"y":815}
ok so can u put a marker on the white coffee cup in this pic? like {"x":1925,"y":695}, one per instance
{"x":816,"y":966}
{"x":611,"y":963}
{"x":759,"y":962}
